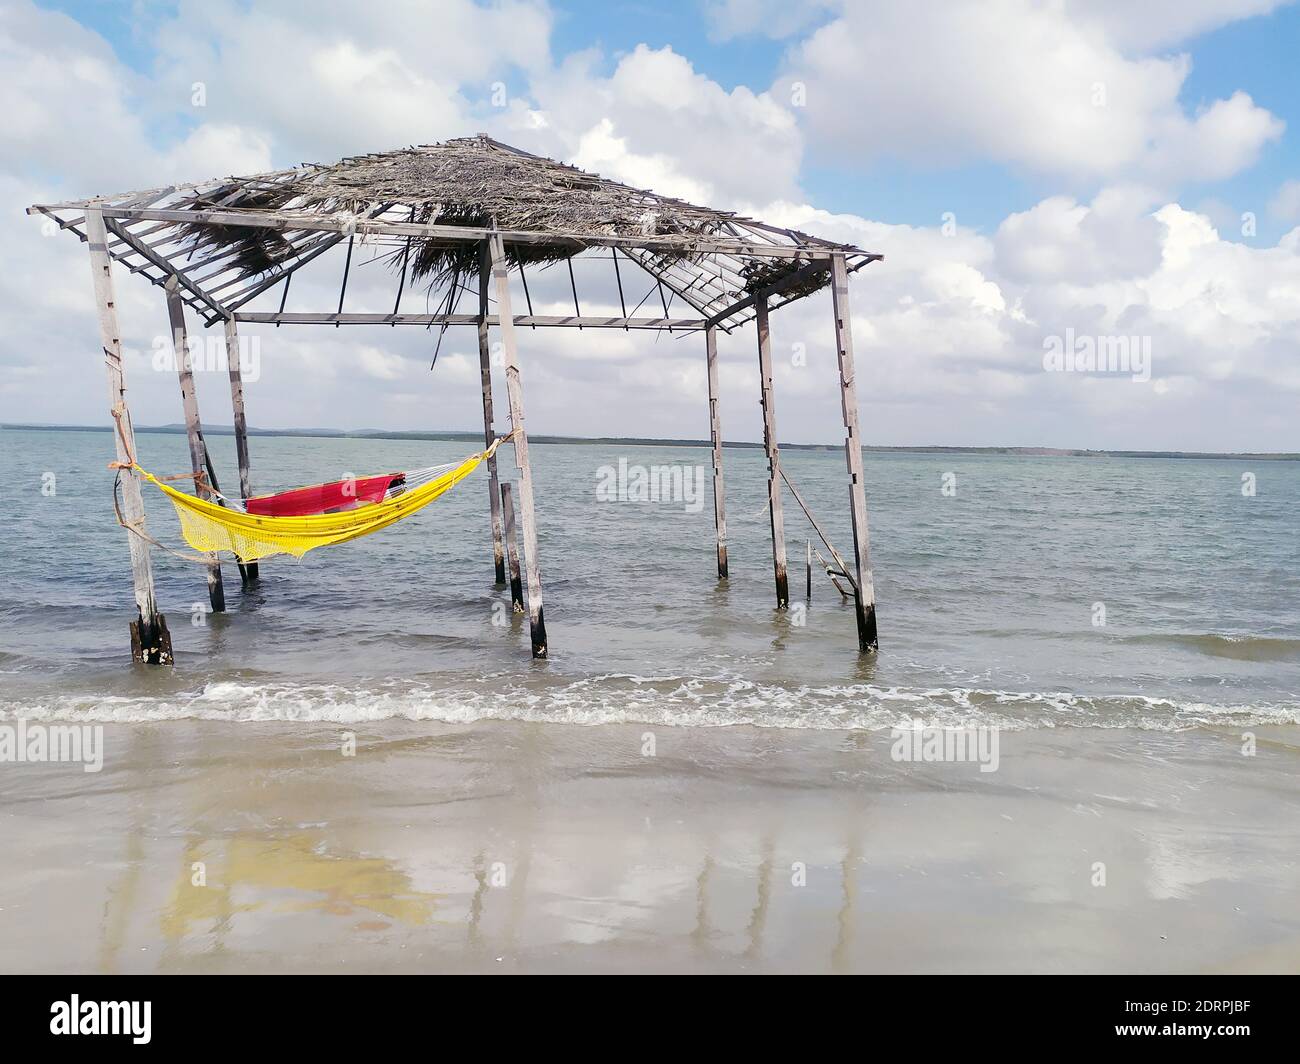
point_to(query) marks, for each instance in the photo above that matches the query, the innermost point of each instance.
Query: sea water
(1018, 592)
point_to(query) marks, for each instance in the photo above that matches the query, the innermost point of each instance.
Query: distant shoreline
(645, 441)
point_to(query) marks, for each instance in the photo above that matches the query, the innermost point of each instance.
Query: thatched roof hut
(234, 238)
(442, 214)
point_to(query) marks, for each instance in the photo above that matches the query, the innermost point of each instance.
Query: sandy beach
(522, 847)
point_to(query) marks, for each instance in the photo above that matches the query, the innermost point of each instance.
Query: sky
(1045, 178)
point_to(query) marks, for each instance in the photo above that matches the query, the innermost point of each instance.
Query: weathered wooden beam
(284, 295)
(864, 592)
(401, 280)
(715, 438)
(161, 263)
(193, 427)
(317, 248)
(227, 276)
(515, 391)
(121, 252)
(773, 458)
(833, 573)
(765, 294)
(211, 187)
(489, 432)
(778, 295)
(512, 548)
(242, 287)
(665, 274)
(457, 234)
(528, 299)
(347, 268)
(151, 642)
(554, 321)
(618, 278)
(144, 199)
(573, 285)
(812, 520)
(248, 571)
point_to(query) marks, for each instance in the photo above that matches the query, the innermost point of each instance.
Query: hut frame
(445, 212)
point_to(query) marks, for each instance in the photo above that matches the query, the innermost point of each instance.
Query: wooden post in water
(773, 458)
(193, 429)
(810, 570)
(515, 392)
(715, 436)
(512, 548)
(151, 642)
(489, 433)
(864, 590)
(247, 570)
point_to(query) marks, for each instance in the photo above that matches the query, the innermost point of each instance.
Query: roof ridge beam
(578, 321)
(458, 233)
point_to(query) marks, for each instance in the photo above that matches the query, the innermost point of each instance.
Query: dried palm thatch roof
(230, 240)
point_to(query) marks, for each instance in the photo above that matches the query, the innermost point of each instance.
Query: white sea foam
(660, 700)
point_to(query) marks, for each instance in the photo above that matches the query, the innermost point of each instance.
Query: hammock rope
(135, 530)
(224, 525)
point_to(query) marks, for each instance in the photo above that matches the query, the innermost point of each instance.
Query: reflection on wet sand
(296, 873)
(703, 931)
(758, 918)
(476, 904)
(269, 879)
(120, 902)
(841, 956)
(527, 848)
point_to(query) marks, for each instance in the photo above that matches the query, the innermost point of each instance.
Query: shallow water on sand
(987, 598)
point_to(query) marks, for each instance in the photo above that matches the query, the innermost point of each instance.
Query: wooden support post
(833, 574)
(247, 570)
(773, 458)
(512, 549)
(715, 436)
(514, 390)
(810, 570)
(864, 590)
(151, 642)
(193, 429)
(489, 432)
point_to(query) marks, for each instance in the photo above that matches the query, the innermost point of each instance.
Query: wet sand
(510, 847)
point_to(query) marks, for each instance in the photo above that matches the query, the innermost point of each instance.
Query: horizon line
(459, 434)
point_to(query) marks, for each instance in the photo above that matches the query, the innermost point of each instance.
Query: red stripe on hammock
(324, 498)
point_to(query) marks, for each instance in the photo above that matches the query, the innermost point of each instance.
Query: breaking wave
(664, 700)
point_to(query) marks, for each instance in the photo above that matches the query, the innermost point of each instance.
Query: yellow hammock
(209, 527)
